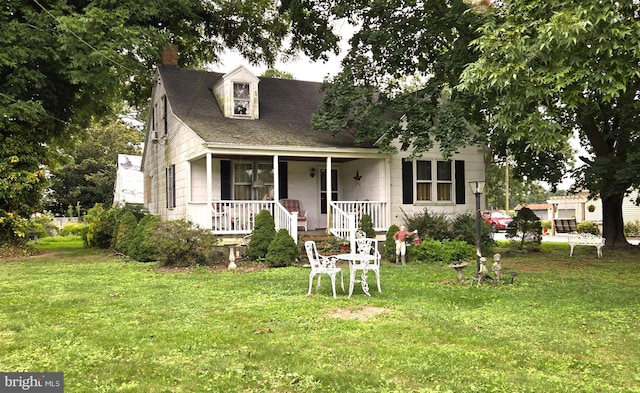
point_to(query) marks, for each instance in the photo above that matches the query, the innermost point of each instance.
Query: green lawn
(565, 325)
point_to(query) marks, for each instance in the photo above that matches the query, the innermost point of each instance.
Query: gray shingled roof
(286, 109)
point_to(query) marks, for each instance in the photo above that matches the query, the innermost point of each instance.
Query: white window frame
(435, 182)
(241, 97)
(256, 167)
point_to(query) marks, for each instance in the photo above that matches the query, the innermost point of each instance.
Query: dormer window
(237, 94)
(241, 99)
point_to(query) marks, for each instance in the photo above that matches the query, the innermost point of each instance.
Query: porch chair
(368, 248)
(321, 264)
(219, 216)
(292, 206)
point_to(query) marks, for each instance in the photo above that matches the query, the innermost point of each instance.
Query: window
(164, 115)
(423, 180)
(425, 187)
(241, 99)
(252, 181)
(444, 181)
(171, 186)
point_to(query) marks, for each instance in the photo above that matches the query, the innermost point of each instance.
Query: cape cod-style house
(222, 147)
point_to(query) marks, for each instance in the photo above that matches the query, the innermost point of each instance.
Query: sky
(302, 68)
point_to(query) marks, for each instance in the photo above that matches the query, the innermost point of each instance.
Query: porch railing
(377, 210)
(236, 217)
(343, 224)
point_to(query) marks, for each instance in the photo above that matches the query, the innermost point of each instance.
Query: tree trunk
(613, 222)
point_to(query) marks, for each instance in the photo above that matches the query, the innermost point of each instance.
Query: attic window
(241, 99)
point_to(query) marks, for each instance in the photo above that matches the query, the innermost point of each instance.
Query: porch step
(326, 244)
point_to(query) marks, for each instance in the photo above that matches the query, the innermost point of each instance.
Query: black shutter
(225, 180)
(407, 182)
(283, 180)
(460, 183)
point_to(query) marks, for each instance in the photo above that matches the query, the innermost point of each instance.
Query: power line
(81, 39)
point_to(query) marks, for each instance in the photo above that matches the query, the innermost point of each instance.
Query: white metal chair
(322, 265)
(369, 260)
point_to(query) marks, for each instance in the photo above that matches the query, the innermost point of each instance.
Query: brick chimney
(170, 55)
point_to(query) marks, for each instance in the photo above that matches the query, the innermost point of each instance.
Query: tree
(555, 68)
(66, 62)
(427, 41)
(89, 176)
(521, 191)
(274, 73)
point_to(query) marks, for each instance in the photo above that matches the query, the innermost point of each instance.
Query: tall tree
(395, 39)
(553, 68)
(89, 176)
(65, 62)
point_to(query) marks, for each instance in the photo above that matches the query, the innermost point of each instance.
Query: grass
(565, 325)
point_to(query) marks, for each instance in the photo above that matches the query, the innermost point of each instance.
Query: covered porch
(227, 191)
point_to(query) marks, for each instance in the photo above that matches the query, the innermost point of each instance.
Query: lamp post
(477, 187)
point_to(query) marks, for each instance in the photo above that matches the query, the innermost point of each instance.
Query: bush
(124, 233)
(632, 229)
(525, 226)
(74, 230)
(142, 248)
(389, 251)
(463, 228)
(180, 244)
(262, 236)
(435, 226)
(366, 225)
(102, 225)
(282, 251)
(444, 251)
(588, 227)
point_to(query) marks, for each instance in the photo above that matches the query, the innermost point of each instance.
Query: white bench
(586, 239)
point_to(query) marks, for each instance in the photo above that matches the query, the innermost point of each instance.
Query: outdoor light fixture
(477, 188)
(312, 173)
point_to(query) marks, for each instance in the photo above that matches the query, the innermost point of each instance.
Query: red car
(496, 220)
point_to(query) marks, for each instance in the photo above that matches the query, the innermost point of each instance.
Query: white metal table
(357, 262)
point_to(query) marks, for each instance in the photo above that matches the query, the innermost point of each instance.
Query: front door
(322, 219)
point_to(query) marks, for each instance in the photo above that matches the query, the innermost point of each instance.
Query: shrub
(444, 251)
(632, 229)
(525, 226)
(102, 225)
(389, 251)
(262, 236)
(463, 228)
(142, 248)
(124, 233)
(282, 251)
(366, 225)
(74, 229)
(433, 226)
(588, 227)
(180, 244)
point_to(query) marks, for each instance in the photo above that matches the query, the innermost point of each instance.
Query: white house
(222, 147)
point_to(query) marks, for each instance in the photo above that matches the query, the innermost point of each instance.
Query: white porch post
(328, 188)
(387, 192)
(276, 179)
(209, 187)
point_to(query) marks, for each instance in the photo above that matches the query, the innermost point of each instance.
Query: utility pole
(506, 184)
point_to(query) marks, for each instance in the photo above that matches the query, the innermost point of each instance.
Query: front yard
(565, 325)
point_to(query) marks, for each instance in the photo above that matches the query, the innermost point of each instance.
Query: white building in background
(580, 207)
(129, 185)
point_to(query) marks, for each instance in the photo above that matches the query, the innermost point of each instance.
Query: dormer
(237, 94)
